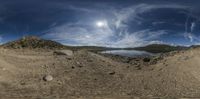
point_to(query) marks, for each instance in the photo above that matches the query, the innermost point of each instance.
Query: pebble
(3, 69)
(112, 73)
(78, 63)
(48, 78)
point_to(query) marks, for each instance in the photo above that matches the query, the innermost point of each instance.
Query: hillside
(158, 48)
(82, 74)
(33, 42)
(86, 75)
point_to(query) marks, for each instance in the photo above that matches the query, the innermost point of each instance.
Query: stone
(146, 59)
(64, 52)
(112, 73)
(48, 78)
(2, 68)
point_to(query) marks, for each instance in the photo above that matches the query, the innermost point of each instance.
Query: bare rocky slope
(33, 42)
(86, 75)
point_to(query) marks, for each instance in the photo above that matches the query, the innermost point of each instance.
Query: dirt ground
(86, 75)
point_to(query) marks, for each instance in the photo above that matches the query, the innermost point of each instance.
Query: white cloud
(132, 12)
(158, 23)
(94, 36)
(193, 24)
(189, 28)
(140, 38)
(81, 9)
(101, 37)
(191, 37)
(80, 35)
(1, 39)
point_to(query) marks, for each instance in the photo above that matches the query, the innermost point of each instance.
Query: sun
(101, 23)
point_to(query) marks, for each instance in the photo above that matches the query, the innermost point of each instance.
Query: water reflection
(128, 53)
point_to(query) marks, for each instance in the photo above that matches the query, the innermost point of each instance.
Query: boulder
(64, 52)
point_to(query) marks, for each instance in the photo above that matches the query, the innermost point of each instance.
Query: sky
(113, 23)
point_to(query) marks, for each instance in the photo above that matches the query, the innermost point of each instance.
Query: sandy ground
(86, 75)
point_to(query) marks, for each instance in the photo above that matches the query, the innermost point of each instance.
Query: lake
(129, 53)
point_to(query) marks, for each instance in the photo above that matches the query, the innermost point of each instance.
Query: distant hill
(153, 48)
(33, 42)
(95, 48)
(159, 48)
(195, 46)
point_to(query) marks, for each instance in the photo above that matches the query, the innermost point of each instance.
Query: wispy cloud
(189, 36)
(140, 38)
(1, 39)
(193, 24)
(79, 34)
(71, 7)
(189, 28)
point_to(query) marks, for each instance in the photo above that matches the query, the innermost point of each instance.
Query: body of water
(129, 53)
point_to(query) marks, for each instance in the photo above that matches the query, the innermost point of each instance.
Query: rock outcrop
(33, 42)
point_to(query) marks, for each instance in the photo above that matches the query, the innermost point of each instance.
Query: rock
(184, 58)
(146, 59)
(23, 83)
(48, 78)
(58, 53)
(78, 63)
(90, 60)
(112, 73)
(138, 67)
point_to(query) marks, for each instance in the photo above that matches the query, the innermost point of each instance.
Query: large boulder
(64, 52)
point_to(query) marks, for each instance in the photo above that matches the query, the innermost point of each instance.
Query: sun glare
(101, 24)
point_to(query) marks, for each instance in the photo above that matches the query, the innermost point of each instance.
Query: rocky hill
(33, 42)
(160, 48)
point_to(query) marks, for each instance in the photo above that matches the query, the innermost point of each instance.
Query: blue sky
(116, 23)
